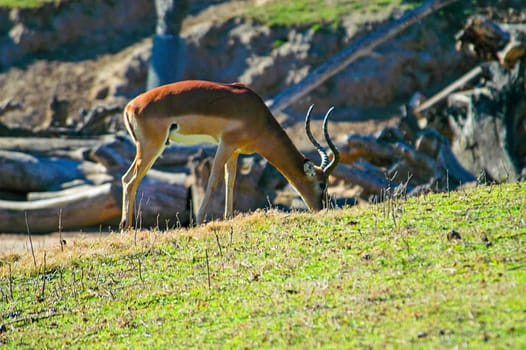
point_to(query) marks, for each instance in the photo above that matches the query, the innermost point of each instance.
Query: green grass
(25, 3)
(380, 276)
(318, 12)
(277, 12)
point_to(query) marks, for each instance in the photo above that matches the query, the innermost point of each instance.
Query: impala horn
(325, 165)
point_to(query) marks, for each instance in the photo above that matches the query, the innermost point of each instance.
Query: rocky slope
(87, 53)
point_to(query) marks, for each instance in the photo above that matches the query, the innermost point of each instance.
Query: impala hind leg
(126, 218)
(222, 156)
(143, 161)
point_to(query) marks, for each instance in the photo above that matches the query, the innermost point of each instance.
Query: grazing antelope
(230, 115)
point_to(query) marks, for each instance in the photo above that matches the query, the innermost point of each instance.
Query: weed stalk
(41, 297)
(208, 269)
(140, 269)
(30, 240)
(60, 230)
(10, 281)
(218, 244)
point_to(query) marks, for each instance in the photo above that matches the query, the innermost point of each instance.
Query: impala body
(230, 115)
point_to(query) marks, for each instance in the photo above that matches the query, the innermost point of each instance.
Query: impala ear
(308, 168)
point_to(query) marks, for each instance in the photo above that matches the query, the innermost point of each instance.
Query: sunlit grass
(25, 3)
(318, 12)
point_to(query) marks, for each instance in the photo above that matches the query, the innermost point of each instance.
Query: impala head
(320, 174)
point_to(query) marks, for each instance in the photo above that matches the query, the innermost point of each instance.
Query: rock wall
(67, 26)
(102, 24)
(267, 59)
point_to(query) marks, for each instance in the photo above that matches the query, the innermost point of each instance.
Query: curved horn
(336, 159)
(319, 148)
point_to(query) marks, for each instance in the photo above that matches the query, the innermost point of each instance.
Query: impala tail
(129, 126)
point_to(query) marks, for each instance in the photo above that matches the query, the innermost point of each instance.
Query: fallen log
(116, 153)
(79, 210)
(371, 184)
(22, 172)
(492, 41)
(443, 94)
(367, 147)
(162, 201)
(394, 158)
(113, 152)
(38, 196)
(55, 172)
(50, 147)
(119, 151)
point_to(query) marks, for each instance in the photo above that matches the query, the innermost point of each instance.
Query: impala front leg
(230, 179)
(223, 154)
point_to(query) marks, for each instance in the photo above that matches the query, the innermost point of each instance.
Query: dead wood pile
(400, 161)
(484, 112)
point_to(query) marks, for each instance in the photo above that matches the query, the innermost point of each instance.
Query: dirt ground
(20, 243)
(35, 84)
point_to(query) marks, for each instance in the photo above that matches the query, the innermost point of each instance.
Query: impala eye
(308, 168)
(322, 186)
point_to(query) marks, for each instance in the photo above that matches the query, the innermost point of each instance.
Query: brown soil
(36, 84)
(20, 244)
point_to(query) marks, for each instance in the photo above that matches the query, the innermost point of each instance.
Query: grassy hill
(436, 271)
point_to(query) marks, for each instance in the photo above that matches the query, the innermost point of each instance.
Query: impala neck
(284, 156)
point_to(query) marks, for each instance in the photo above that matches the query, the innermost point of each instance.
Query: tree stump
(489, 121)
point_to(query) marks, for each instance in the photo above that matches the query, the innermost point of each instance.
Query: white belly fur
(175, 136)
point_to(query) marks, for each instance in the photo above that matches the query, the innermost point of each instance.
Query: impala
(235, 118)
